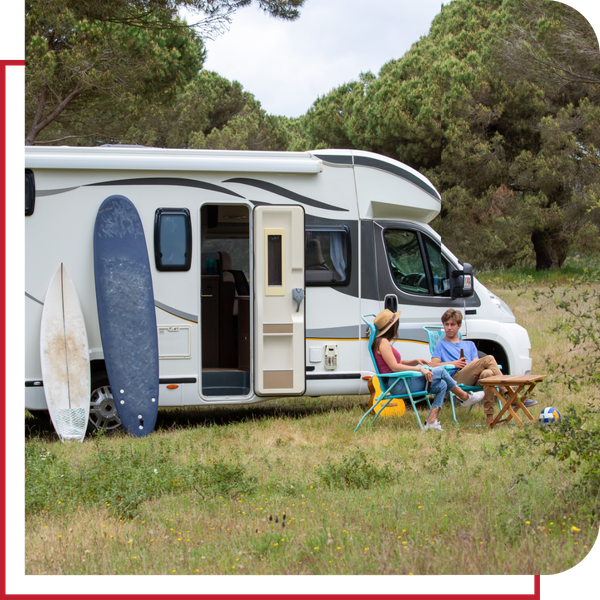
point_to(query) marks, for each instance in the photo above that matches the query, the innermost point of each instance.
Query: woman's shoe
(435, 425)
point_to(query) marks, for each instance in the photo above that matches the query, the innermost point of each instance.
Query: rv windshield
(416, 263)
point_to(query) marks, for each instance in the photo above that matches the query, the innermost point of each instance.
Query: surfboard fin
(71, 423)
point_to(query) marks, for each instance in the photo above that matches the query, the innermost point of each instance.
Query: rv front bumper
(515, 341)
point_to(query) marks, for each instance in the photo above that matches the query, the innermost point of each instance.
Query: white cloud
(287, 65)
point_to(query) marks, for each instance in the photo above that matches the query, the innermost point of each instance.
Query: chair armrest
(401, 374)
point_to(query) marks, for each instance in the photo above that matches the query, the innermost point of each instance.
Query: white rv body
(346, 206)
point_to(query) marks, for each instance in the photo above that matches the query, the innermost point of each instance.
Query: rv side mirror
(391, 302)
(461, 282)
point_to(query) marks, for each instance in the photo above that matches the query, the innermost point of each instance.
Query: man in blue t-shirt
(470, 368)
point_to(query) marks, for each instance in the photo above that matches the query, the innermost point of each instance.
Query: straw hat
(384, 320)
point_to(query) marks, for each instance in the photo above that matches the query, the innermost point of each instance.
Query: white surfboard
(65, 357)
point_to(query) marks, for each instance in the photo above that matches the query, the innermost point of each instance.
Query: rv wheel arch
(485, 347)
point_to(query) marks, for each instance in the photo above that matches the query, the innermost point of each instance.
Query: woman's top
(381, 364)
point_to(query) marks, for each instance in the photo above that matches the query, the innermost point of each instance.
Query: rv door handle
(298, 295)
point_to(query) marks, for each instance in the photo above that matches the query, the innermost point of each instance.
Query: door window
(406, 261)
(439, 267)
(416, 263)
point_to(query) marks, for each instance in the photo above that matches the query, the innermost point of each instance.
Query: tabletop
(510, 379)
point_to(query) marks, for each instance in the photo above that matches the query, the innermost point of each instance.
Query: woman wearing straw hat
(389, 360)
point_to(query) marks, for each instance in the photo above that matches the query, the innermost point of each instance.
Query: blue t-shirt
(449, 351)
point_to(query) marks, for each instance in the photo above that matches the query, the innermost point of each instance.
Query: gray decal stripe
(280, 191)
(34, 299)
(348, 332)
(41, 193)
(170, 181)
(337, 159)
(366, 161)
(177, 313)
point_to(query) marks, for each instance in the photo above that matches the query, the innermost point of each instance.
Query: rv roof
(152, 159)
(140, 158)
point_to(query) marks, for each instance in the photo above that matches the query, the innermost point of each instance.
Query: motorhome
(262, 265)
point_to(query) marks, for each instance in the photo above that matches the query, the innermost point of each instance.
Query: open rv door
(279, 305)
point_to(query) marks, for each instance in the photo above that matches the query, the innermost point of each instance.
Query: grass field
(286, 487)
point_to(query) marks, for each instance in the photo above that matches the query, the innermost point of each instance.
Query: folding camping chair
(434, 333)
(387, 381)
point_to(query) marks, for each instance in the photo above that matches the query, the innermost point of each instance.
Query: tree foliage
(78, 68)
(210, 112)
(92, 66)
(499, 106)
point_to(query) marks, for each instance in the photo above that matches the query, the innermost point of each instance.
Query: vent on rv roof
(29, 192)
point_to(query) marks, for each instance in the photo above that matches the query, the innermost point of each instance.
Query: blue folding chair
(434, 333)
(388, 381)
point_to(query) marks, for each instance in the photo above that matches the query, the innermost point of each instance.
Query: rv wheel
(103, 410)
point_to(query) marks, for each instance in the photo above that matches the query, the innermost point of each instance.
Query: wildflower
(575, 528)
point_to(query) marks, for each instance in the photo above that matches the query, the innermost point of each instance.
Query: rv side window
(406, 261)
(417, 263)
(326, 253)
(439, 267)
(172, 239)
(29, 192)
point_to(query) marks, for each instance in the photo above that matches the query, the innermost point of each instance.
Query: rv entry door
(279, 305)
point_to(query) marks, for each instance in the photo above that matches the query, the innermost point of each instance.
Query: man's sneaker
(474, 398)
(529, 402)
(436, 425)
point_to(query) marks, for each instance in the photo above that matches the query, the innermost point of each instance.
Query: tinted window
(172, 239)
(274, 260)
(326, 257)
(29, 192)
(439, 267)
(417, 263)
(406, 261)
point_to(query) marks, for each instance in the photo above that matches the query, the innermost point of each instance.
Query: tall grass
(286, 487)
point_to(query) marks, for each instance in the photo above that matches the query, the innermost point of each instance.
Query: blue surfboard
(125, 300)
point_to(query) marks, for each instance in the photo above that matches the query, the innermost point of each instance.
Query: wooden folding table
(515, 384)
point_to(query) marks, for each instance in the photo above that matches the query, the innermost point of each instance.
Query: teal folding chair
(388, 381)
(434, 333)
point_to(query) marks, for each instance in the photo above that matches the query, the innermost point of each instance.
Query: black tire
(103, 409)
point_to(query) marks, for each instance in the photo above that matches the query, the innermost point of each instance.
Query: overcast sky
(287, 65)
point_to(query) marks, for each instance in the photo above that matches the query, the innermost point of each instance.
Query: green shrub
(356, 471)
(579, 302)
(122, 479)
(574, 441)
